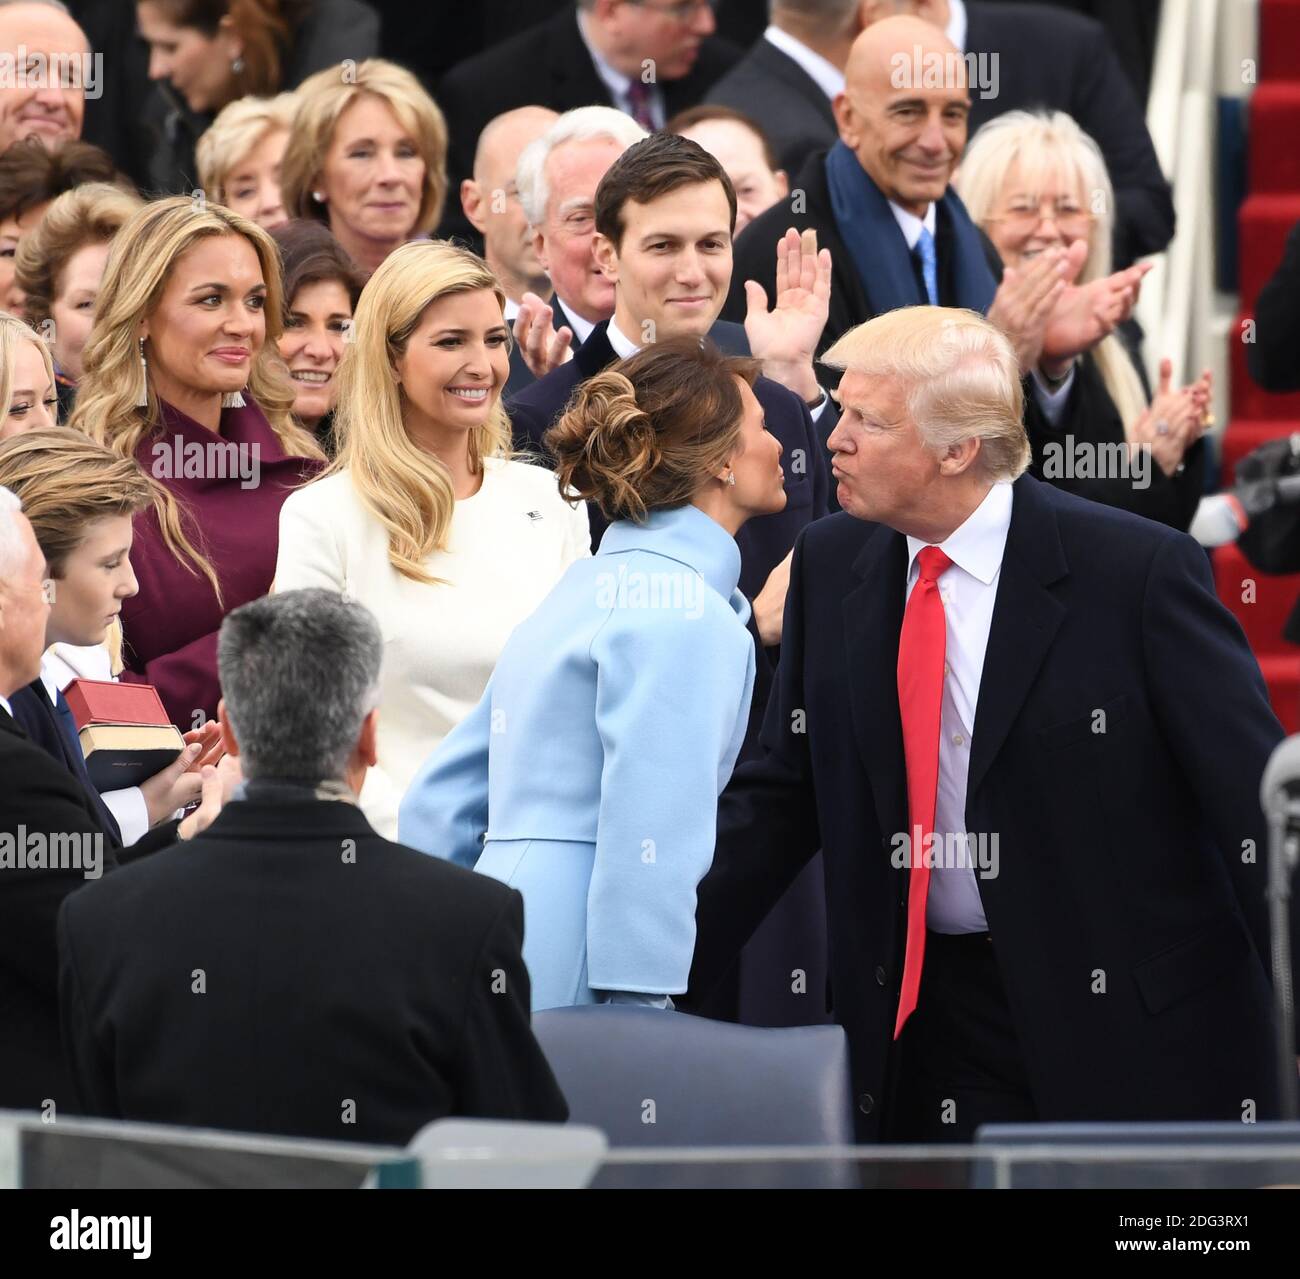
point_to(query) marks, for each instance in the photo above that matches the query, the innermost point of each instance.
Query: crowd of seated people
(498, 479)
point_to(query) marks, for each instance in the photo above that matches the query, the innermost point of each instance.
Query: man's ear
(959, 458)
(606, 255)
(782, 183)
(471, 200)
(227, 733)
(539, 249)
(846, 120)
(368, 741)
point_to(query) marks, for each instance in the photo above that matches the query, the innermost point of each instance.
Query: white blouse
(507, 547)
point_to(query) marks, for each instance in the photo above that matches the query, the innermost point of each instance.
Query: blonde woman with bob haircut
(182, 374)
(81, 499)
(60, 265)
(424, 516)
(367, 156)
(1034, 182)
(239, 157)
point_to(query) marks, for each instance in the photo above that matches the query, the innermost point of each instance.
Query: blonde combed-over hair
(961, 377)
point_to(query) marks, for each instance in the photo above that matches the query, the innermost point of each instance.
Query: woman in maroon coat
(180, 372)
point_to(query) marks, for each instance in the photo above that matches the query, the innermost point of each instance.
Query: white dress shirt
(581, 328)
(911, 225)
(4, 701)
(511, 310)
(826, 75)
(618, 84)
(968, 589)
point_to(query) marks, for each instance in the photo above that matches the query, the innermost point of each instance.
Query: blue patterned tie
(929, 265)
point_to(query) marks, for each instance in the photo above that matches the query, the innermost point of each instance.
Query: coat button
(866, 1103)
(881, 975)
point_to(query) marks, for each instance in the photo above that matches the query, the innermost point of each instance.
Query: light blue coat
(588, 776)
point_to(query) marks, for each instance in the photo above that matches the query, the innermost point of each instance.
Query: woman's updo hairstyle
(648, 431)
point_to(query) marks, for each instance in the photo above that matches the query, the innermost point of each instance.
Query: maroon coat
(230, 500)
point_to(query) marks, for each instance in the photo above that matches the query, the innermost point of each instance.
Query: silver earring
(236, 64)
(232, 400)
(142, 399)
(731, 478)
(318, 196)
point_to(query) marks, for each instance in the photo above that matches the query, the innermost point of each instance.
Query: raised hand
(542, 345)
(1175, 419)
(785, 338)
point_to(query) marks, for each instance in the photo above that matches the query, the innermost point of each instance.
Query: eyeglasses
(682, 11)
(1067, 215)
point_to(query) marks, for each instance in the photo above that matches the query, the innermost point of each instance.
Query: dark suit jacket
(40, 797)
(1274, 356)
(1090, 417)
(336, 967)
(765, 541)
(1065, 62)
(851, 304)
(779, 95)
(32, 709)
(1120, 852)
(547, 65)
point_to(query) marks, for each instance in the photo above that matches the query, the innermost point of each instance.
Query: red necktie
(921, 646)
(638, 98)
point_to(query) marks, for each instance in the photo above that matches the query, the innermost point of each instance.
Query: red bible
(99, 701)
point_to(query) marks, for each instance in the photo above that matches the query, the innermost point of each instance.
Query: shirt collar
(622, 344)
(956, 28)
(50, 681)
(910, 224)
(684, 534)
(581, 327)
(511, 310)
(4, 701)
(826, 75)
(978, 543)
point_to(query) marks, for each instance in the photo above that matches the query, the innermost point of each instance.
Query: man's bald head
(491, 199)
(504, 138)
(49, 56)
(904, 108)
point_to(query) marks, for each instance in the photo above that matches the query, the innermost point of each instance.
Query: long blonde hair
(12, 331)
(409, 491)
(139, 265)
(1038, 144)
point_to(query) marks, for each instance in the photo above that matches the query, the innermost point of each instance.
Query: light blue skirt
(554, 877)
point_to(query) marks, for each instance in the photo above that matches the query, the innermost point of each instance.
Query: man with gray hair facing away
(1029, 739)
(290, 971)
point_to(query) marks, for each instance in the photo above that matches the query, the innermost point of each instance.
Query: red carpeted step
(1274, 164)
(1250, 400)
(1282, 675)
(1262, 224)
(1279, 40)
(1261, 602)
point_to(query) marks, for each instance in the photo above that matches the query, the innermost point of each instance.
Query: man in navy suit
(1039, 811)
(664, 217)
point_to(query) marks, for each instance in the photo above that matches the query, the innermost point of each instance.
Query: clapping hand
(1175, 420)
(1027, 297)
(542, 345)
